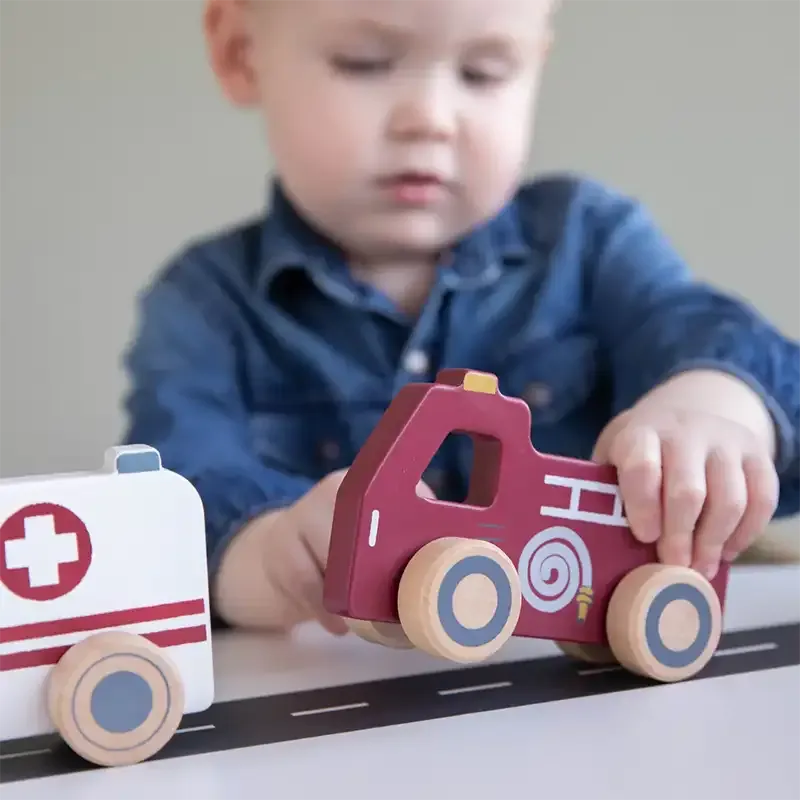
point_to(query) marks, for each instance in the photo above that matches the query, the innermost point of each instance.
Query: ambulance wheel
(591, 653)
(459, 599)
(388, 634)
(115, 698)
(664, 622)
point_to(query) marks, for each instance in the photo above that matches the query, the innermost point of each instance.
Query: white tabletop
(730, 737)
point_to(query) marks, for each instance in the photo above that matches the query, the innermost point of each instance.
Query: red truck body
(559, 520)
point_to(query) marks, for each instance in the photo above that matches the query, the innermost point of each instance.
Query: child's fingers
(314, 545)
(423, 490)
(331, 622)
(726, 502)
(297, 576)
(684, 493)
(317, 540)
(638, 456)
(762, 499)
(308, 593)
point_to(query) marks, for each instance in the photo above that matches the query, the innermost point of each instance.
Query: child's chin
(416, 229)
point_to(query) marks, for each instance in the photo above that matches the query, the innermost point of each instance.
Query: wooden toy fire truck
(105, 633)
(540, 548)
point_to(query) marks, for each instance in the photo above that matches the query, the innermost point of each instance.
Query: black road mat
(396, 701)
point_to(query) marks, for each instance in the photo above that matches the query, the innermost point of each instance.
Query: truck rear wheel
(664, 622)
(388, 634)
(459, 599)
(590, 653)
(115, 698)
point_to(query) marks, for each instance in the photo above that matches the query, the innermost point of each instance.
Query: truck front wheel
(459, 599)
(664, 622)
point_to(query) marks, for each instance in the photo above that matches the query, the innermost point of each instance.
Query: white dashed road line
(309, 711)
(599, 670)
(480, 688)
(750, 648)
(196, 728)
(5, 756)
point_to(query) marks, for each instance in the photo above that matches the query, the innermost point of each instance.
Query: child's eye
(361, 66)
(476, 76)
(483, 77)
(488, 70)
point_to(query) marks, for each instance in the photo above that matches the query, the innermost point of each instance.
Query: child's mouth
(414, 188)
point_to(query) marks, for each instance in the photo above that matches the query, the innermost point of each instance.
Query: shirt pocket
(555, 376)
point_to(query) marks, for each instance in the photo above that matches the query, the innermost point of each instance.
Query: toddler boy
(402, 240)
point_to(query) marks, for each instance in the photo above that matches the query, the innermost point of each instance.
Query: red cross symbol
(45, 552)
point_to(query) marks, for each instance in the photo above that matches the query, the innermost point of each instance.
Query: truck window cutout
(479, 455)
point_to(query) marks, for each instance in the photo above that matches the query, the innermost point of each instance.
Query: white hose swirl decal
(561, 552)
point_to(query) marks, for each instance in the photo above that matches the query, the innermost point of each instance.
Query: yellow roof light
(480, 382)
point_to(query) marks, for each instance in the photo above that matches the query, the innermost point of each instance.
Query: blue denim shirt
(260, 364)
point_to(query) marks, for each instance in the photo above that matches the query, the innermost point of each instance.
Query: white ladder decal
(577, 485)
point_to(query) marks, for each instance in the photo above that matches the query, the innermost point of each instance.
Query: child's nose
(425, 113)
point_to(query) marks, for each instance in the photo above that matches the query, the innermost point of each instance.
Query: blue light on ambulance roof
(145, 460)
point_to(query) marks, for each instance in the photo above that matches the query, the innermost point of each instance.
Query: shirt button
(538, 395)
(330, 450)
(416, 362)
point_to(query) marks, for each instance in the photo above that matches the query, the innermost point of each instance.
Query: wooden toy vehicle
(540, 548)
(105, 631)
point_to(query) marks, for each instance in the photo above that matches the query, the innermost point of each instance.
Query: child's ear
(229, 42)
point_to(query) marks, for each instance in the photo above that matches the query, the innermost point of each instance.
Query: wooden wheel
(591, 653)
(459, 599)
(664, 622)
(115, 698)
(387, 634)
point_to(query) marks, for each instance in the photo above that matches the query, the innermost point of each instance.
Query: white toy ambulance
(105, 633)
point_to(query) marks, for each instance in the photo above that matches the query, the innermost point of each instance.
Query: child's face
(396, 125)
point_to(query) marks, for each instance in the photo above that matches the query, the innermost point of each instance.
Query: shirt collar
(288, 241)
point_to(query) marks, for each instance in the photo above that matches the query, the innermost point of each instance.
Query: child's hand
(296, 553)
(273, 573)
(701, 485)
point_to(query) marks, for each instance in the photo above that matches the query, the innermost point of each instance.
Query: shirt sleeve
(655, 320)
(184, 401)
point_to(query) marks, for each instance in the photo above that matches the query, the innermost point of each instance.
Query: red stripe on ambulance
(52, 655)
(111, 619)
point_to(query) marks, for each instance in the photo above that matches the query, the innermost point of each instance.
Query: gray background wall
(115, 147)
